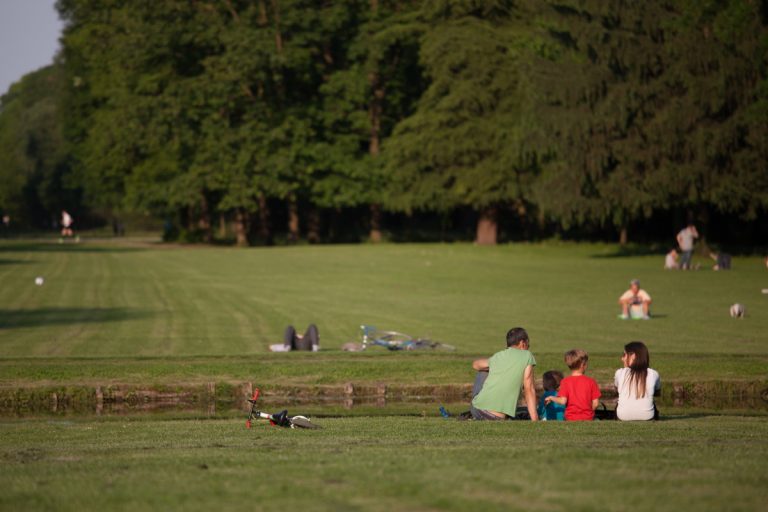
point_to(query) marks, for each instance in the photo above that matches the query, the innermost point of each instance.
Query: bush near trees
(307, 117)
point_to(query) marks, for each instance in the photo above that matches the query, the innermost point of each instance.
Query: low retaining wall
(136, 397)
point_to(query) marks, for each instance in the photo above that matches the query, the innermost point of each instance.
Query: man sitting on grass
(634, 297)
(499, 379)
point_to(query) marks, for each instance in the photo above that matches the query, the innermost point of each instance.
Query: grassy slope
(705, 463)
(206, 313)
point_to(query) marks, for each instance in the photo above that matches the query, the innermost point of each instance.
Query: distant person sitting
(310, 340)
(685, 239)
(722, 260)
(633, 300)
(670, 261)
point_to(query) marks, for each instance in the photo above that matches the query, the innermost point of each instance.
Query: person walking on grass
(636, 384)
(578, 393)
(500, 378)
(66, 224)
(685, 239)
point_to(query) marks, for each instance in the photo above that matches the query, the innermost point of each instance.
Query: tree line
(312, 114)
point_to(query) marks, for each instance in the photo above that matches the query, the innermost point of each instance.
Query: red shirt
(580, 390)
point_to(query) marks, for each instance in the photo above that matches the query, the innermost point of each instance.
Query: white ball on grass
(738, 310)
(39, 281)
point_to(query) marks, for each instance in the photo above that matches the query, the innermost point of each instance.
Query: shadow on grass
(12, 262)
(630, 251)
(65, 247)
(10, 318)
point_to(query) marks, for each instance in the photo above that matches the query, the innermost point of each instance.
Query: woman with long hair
(637, 384)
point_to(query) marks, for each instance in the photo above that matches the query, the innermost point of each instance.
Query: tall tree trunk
(223, 226)
(374, 115)
(265, 228)
(262, 13)
(313, 225)
(278, 35)
(293, 219)
(623, 237)
(189, 219)
(703, 228)
(375, 233)
(487, 226)
(522, 215)
(204, 223)
(241, 226)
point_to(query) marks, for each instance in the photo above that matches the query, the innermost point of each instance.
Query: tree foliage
(250, 112)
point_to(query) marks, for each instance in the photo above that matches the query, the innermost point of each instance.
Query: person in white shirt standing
(636, 384)
(685, 239)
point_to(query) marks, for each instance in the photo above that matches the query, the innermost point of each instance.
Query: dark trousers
(685, 259)
(309, 341)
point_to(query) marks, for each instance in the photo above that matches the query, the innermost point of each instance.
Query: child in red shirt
(578, 393)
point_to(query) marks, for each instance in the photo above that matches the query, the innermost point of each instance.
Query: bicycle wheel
(303, 422)
(424, 344)
(392, 340)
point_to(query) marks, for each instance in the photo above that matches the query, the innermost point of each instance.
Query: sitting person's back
(722, 261)
(551, 411)
(500, 378)
(670, 261)
(578, 393)
(636, 384)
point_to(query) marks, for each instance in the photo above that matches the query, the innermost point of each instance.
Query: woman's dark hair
(515, 336)
(551, 380)
(638, 370)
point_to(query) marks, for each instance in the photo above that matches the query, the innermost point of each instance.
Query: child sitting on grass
(578, 393)
(551, 411)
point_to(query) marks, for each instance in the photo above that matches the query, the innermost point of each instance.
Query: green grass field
(143, 314)
(707, 463)
(132, 311)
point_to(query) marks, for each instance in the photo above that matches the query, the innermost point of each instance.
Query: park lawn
(385, 463)
(338, 368)
(138, 312)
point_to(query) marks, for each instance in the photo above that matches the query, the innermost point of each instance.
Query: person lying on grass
(499, 379)
(578, 393)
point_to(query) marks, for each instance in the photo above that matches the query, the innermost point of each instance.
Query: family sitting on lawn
(500, 378)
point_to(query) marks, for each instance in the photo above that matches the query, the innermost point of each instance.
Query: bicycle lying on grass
(280, 419)
(393, 340)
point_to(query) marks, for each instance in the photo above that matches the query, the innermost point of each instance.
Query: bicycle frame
(280, 419)
(393, 340)
(370, 338)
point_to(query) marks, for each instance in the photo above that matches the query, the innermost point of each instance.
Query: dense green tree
(598, 93)
(464, 146)
(713, 131)
(596, 114)
(655, 112)
(34, 178)
(374, 84)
